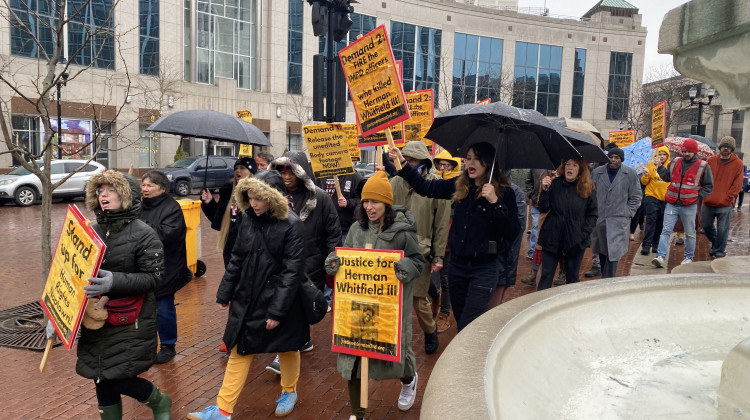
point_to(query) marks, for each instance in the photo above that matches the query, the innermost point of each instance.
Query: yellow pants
(238, 367)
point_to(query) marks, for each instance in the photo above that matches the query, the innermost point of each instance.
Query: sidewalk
(194, 376)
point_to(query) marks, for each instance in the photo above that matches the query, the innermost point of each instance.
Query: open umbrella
(674, 144)
(211, 125)
(581, 126)
(638, 154)
(705, 140)
(586, 144)
(523, 138)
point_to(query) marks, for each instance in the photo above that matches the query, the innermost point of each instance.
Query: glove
(101, 284)
(662, 172)
(49, 331)
(332, 264)
(401, 272)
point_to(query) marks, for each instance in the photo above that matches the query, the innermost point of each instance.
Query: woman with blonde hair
(570, 200)
(484, 213)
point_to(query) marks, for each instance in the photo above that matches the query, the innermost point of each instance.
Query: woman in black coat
(223, 214)
(484, 214)
(132, 265)
(570, 200)
(260, 289)
(164, 215)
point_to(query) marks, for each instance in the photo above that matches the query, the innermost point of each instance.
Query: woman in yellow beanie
(384, 226)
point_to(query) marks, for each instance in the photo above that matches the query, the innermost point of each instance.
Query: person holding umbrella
(484, 214)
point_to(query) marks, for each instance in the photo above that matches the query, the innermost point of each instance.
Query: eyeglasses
(444, 165)
(109, 191)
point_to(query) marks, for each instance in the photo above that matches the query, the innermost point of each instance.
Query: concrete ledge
(594, 350)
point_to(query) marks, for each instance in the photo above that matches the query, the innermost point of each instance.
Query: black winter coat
(135, 257)
(262, 281)
(476, 222)
(165, 217)
(215, 213)
(571, 219)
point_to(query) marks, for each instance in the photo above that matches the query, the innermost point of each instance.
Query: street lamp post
(60, 84)
(694, 98)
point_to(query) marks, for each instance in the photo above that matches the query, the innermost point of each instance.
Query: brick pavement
(193, 378)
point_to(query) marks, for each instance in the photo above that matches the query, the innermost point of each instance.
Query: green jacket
(400, 236)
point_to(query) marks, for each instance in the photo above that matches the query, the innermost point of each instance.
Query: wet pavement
(194, 376)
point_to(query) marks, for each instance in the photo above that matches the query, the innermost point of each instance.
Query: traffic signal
(319, 19)
(340, 21)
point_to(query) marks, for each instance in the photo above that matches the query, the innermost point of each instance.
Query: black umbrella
(705, 140)
(523, 138)
(211, 125)
(584, 143)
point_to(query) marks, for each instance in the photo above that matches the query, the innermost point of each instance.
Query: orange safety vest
(687, 189)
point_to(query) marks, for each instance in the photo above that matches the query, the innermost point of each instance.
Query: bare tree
(43, 33)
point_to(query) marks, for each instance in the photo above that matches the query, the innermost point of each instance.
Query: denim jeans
(717, 235)
(471, 286)
(654, 210)
(534, 228)
(166, 319)
(687, 215)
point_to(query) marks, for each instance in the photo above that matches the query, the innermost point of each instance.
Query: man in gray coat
(618, 196)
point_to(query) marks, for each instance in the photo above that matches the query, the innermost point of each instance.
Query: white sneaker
(408, 394)
(686, 261)
(658, 261)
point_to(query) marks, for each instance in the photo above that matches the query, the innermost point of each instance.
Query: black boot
(111, 412)
(595, 271)
(431, 342)
(160, 403)
(166, 354)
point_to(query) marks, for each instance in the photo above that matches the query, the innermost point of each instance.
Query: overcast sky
(653, 12)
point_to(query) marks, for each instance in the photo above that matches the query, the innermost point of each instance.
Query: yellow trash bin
(191, 209)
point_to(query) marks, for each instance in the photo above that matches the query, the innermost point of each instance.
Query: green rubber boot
(161, 404)
(111, 412)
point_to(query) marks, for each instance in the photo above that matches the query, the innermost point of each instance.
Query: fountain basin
(633, 347)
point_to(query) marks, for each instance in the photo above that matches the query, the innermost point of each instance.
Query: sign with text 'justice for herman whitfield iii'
(367, 319)
(373, 80)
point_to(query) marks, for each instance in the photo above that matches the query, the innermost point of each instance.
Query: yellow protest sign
(371, 74)
(328, 149)
(367, 319)
(246, 115)
(245, 150)
(421, 109)
(484, 101)
(76, 259)
(397, 130)
(352, 139)
(658, 122)
(622, 138)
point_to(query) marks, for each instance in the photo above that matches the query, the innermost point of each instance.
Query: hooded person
(261, 290)
(223, 213)
(132, 266)
(385, 226)
(653, 199)
(446, 166)
(728, 172)
(433, 219)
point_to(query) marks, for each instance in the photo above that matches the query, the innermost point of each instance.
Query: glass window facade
(226, 38)
(294, 62)
(419, 50)
(26, 134)
(90, 31)
(477, 69)
(618, 92)
(579, 75)
(536, 75)
(148, 16)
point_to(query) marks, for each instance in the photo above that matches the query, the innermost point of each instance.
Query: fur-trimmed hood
(298, 162)
(125, 185)
(278, 204)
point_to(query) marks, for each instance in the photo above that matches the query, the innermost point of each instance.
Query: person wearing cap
(728, 173)
(433, 218)
(384, 226)
(223, 213)
(689, 178)
(618, 196)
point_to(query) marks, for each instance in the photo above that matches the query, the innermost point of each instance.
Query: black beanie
(247, 162)
(616, 151)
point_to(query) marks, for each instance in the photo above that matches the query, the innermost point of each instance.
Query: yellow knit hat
(378, 188)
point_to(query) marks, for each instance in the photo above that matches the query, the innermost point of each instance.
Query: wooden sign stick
(378, 156)
(338, 185)
(47, 349)
(391, 143)
(365, 369)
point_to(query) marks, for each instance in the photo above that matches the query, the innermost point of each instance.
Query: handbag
(124, 311)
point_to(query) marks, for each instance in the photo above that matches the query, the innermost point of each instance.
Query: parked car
(187, 174)
(23, 187)
(365, 170)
